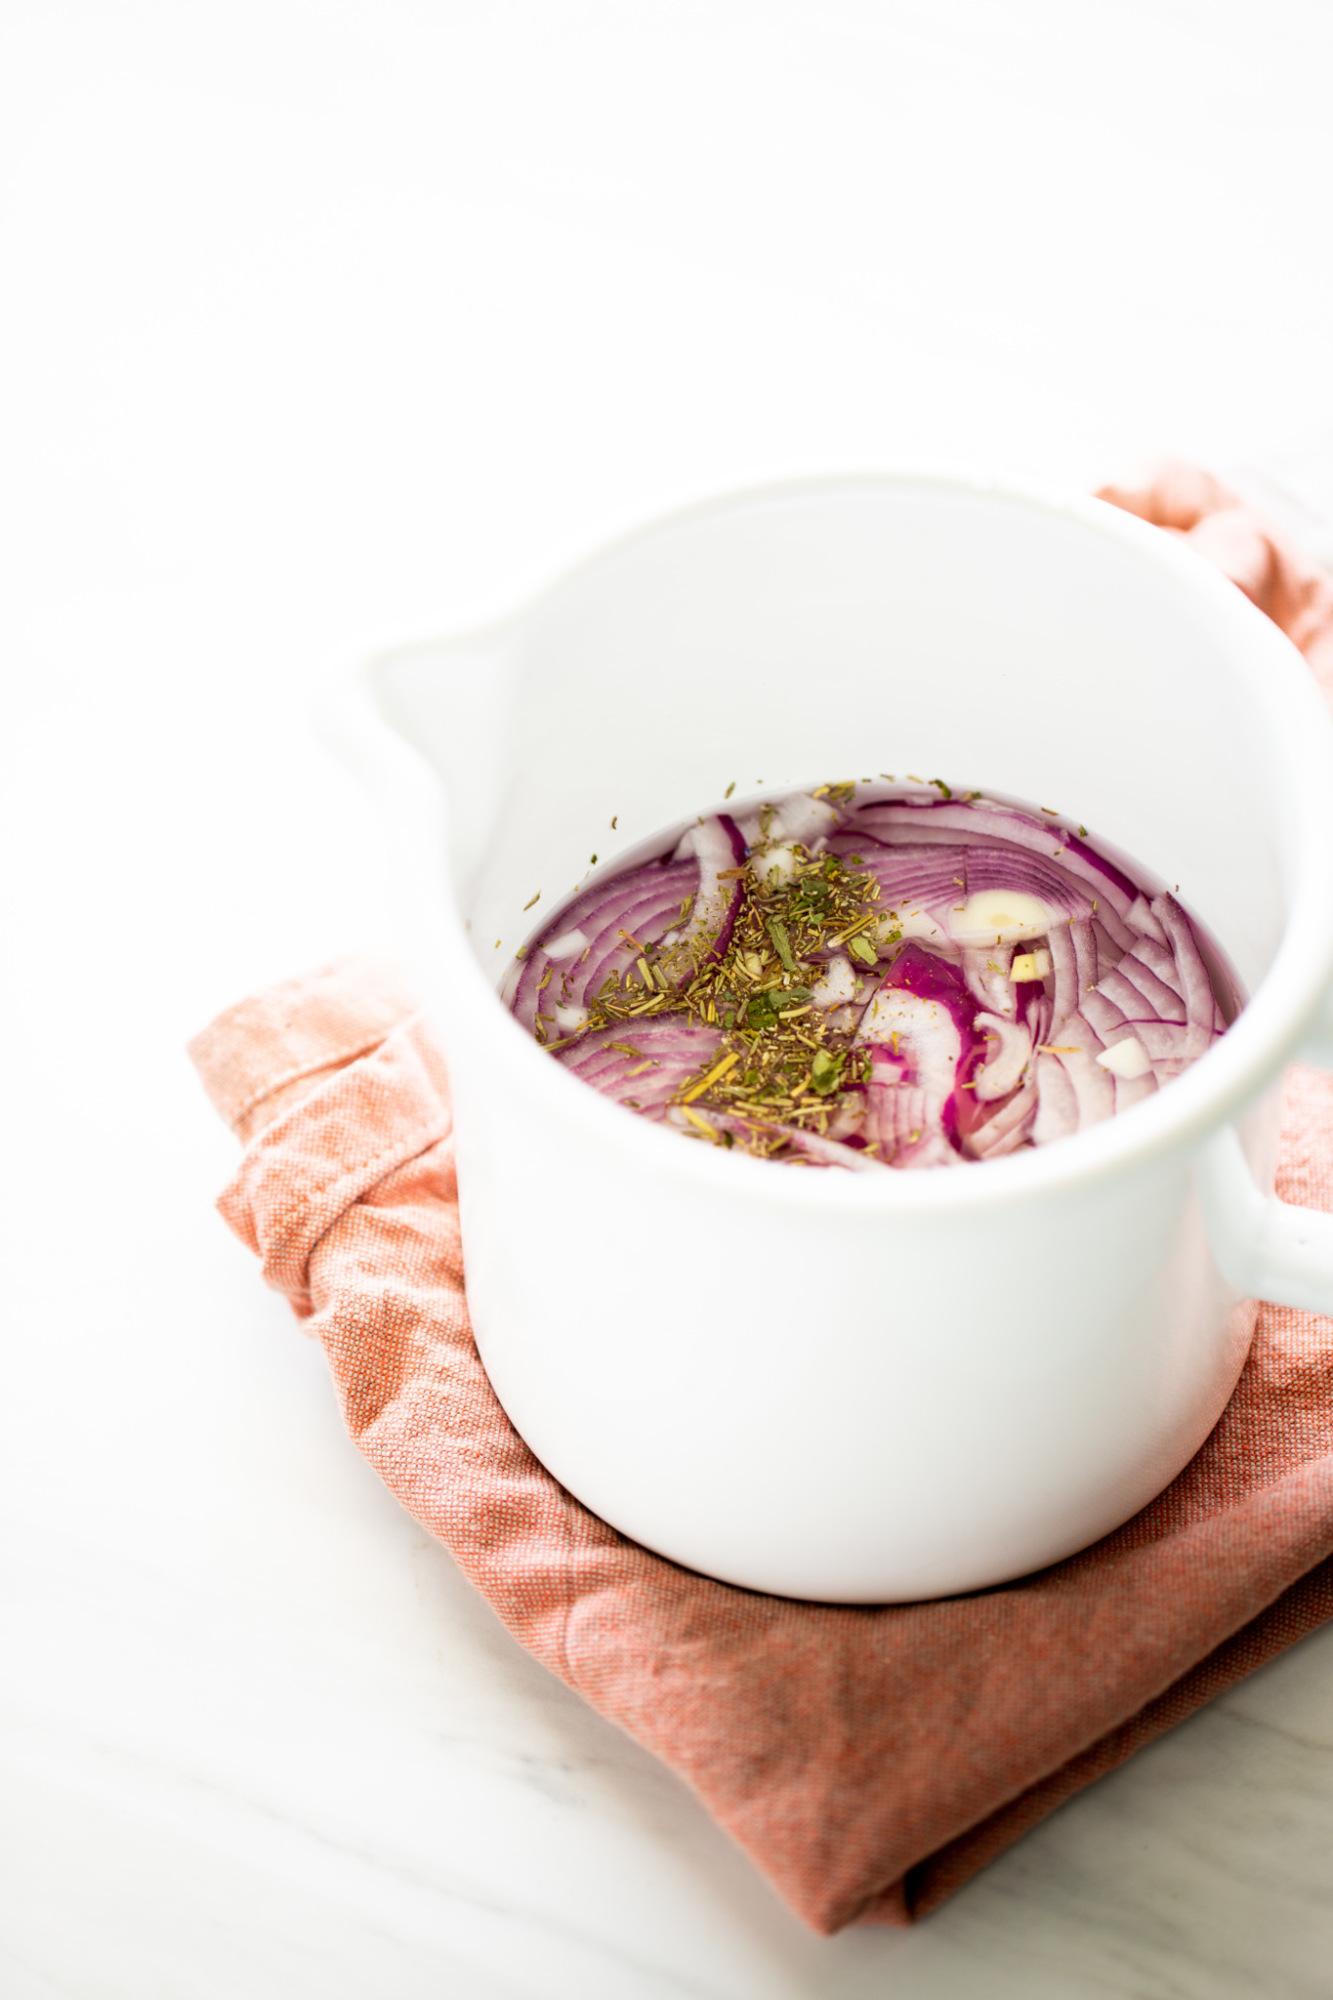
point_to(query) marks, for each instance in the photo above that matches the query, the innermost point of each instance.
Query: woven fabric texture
(869, 1760)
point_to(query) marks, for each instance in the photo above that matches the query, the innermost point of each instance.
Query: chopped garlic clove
(837, 987)
(1031, 965)
(1000, 916)
(772, 866)
(1127, 1059)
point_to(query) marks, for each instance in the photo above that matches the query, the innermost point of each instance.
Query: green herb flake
(840, 794)
(777, 930)
(826, 1072)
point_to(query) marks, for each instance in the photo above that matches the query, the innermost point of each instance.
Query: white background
(332, 322)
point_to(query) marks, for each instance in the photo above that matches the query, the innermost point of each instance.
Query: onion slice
(1011, 986)
(716, 844)
(815, 1149)
(645, 1064)
(1007, 1062)
(985, 820)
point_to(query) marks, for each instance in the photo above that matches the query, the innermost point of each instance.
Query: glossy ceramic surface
(854, 1388)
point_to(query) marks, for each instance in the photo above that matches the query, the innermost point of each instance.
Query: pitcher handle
(1266, 1248)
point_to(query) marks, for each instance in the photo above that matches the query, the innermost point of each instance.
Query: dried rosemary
(783, 1059)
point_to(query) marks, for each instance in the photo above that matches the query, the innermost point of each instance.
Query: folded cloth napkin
(870, 1759)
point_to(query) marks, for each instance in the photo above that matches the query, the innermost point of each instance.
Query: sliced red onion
(827, 1152)
(984, 821)
(1165, 1042)
(602, 901)
(716, 844)
(812, 1147)
(849, 1116)
(1076, 1051)
(921, 876)
(929, 924)
(903, 1121)
(668, 1051)
(619, 943)
(1197, 987)
(993, 868)
(1057, 1102)
(1109, 953)
(1143, 918)
(1136, 1005)
(1009, 1046)
(1094, 995)
(568, 945)
(988, 981)
(1159, 960)
(922, 1016)
(1085, 957)
(1102, 1013)
(642, 902)
(1064, 961)
(804, 818)
(952, 880)
(1161, 999)
(930, 976)
(1006, 1128)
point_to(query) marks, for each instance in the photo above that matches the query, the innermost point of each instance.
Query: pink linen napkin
(869, 1759)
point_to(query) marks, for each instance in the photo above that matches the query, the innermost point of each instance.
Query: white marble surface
(333, 323)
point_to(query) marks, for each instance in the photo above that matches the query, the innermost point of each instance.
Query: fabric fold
(263, 1052)
(868, 1759)
(321, 1154)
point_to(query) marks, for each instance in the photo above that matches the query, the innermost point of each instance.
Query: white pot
(855, 1387)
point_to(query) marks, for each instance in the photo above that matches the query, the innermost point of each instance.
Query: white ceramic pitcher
(865, 1387)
